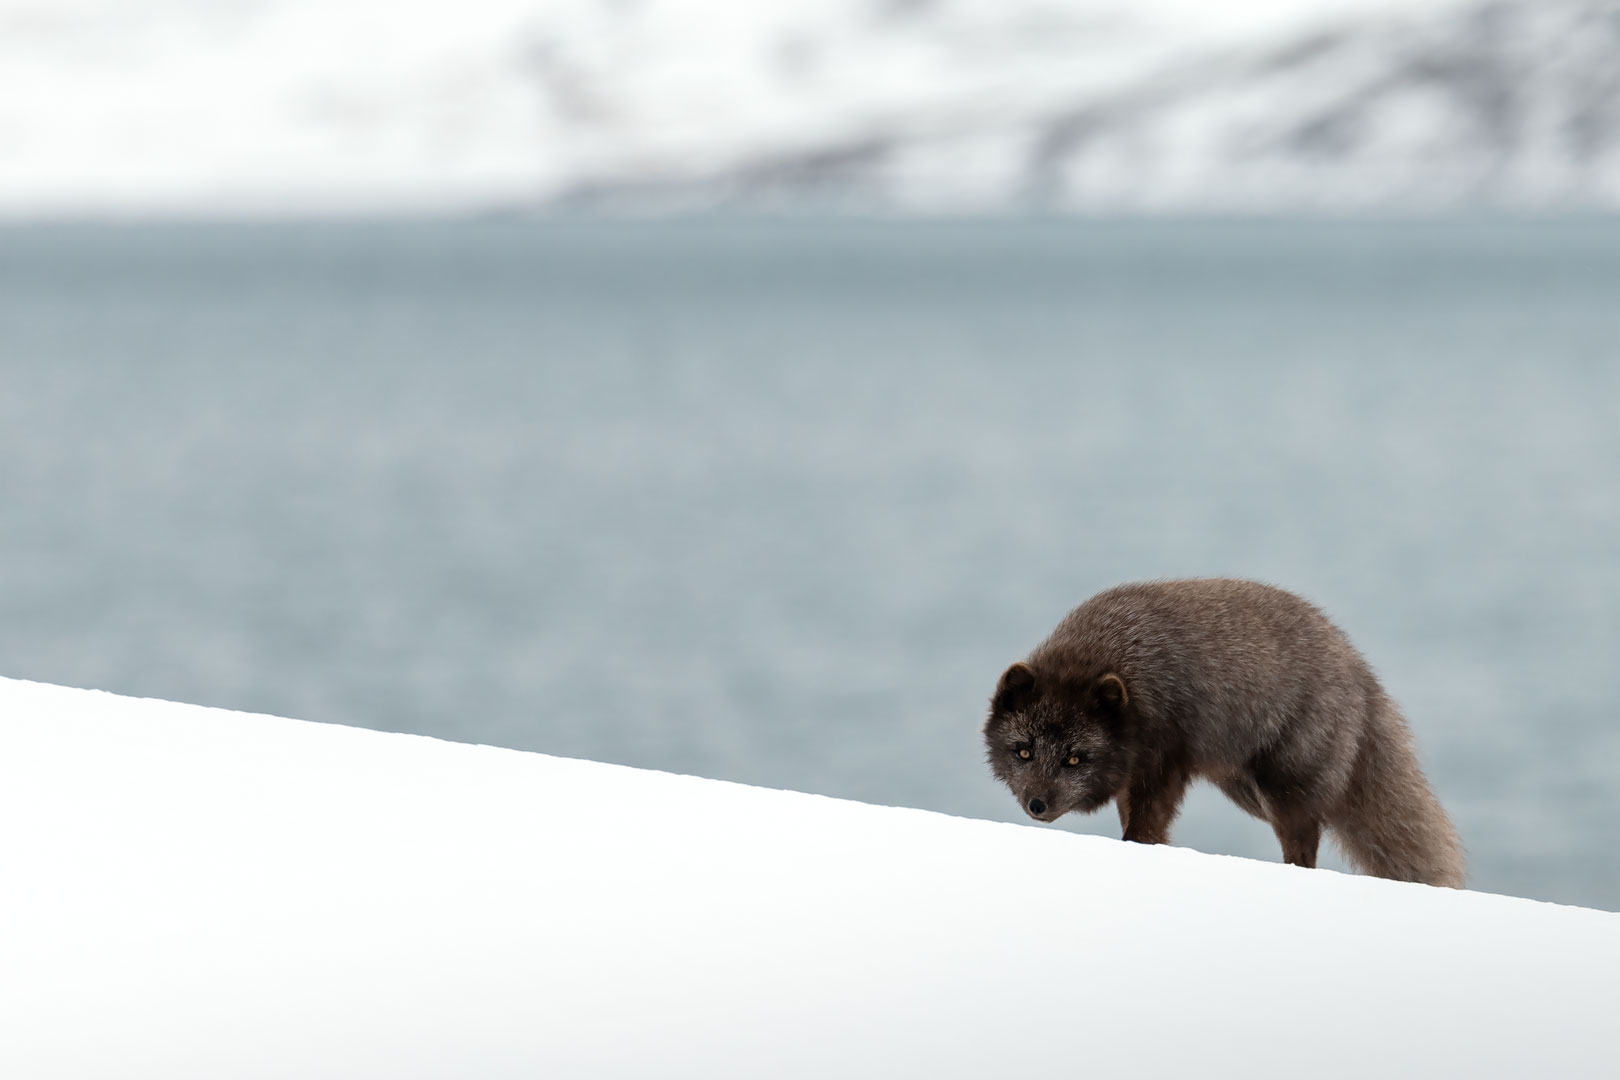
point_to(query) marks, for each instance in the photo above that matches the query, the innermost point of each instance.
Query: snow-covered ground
(207, 107)
(190, 892)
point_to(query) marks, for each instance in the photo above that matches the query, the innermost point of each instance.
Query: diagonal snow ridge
(192, 892)
(198, 108)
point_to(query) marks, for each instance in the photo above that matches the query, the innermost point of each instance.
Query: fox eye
(1075, 759)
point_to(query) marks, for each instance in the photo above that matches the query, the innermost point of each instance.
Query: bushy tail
(1390, 824)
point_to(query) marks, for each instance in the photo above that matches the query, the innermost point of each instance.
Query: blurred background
(736, 389)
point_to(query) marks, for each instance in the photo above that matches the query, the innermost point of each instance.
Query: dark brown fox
(1146, 687)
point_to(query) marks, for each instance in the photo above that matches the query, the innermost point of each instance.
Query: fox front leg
(1148, 806)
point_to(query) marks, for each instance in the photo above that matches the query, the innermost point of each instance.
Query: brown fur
(1151, 686)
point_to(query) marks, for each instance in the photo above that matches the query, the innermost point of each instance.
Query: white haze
(206, 107)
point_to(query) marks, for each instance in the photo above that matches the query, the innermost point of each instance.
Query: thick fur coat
(1147, 687)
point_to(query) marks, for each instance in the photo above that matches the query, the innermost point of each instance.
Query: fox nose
(1036, 806)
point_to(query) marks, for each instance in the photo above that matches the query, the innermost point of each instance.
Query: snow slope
(191, 892)
(188, 107)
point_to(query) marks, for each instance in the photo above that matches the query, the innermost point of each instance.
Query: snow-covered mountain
(336, 106)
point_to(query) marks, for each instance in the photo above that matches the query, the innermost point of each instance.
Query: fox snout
(1041, 809)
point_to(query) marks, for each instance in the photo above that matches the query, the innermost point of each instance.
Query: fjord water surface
(776, 501)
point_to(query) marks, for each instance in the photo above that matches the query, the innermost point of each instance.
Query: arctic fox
(1146, 687)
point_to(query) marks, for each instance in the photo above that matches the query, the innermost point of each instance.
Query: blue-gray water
(777, 501)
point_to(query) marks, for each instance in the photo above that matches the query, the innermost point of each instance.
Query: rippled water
(777, 500)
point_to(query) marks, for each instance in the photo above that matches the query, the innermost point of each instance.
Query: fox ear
(1017, 685)
(1108, 695)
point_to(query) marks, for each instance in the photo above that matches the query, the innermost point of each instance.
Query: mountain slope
(297, 106)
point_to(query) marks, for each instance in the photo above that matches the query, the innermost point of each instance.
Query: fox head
(1056, 743)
